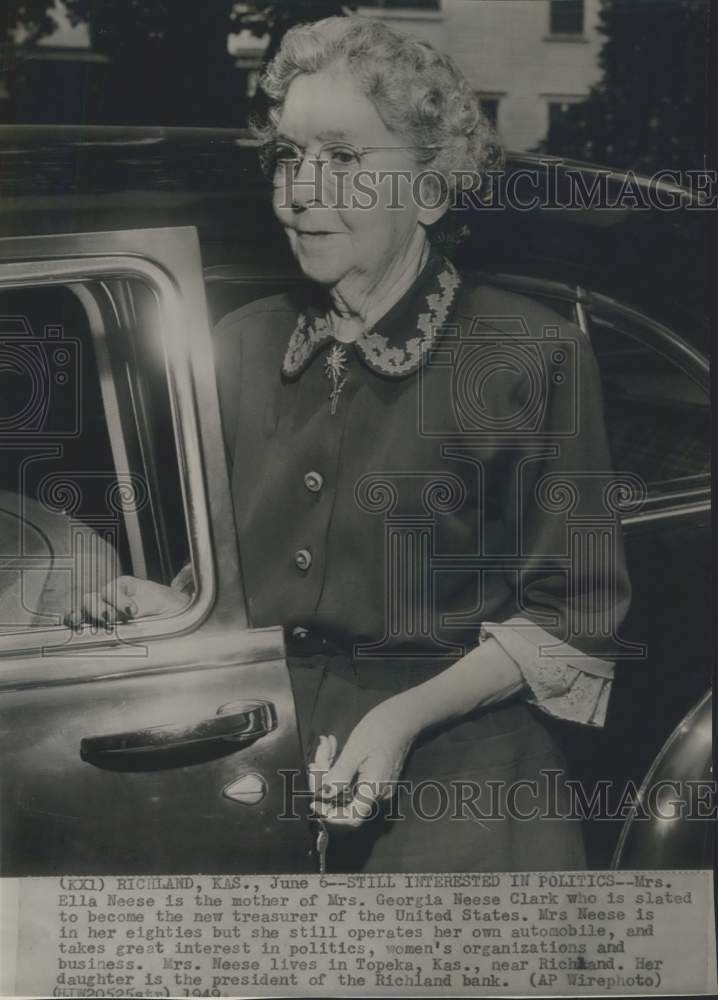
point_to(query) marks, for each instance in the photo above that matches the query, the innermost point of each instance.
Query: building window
(561, 122)
(490, 108)
(566, 17)
(558, 112)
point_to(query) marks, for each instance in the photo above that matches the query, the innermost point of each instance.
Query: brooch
(335, 366)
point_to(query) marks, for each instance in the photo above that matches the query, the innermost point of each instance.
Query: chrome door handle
(238, 723)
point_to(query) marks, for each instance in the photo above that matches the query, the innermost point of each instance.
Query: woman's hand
(373, 758)
(125, 598)
(369, 765)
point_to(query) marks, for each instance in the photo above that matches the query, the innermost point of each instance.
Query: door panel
(657, 410)
(161, 811)
(669, 565)
(143, 814)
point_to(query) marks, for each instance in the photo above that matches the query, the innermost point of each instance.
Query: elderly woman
(420, 479)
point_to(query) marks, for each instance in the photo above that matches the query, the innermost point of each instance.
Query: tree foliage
(167, 60)
(648, 112)
(275, 17)
(31, 17)
(22, 24)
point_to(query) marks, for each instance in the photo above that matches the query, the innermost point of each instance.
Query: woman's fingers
(323, 760)
(113, 603)
(328, 785)
(96, 609)
(344, 801)
(124, 590)
(352, 815)
(73, 619)
(361, 806)
(126, 598)
(337, 780)
(365, 773)
(377, 767)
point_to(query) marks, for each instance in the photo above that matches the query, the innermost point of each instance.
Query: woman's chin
(320, 269)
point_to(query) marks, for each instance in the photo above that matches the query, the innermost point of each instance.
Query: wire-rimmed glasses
(282, 159)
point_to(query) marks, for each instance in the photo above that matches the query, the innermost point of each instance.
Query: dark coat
(464, 477)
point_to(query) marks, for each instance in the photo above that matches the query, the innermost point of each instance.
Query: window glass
(562, 118)
(657, 414)
(90, 486)
(558, 111)
(566, 17)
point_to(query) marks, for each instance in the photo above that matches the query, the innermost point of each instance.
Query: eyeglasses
(282, 159)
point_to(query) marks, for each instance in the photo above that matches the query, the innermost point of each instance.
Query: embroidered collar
(396, 343)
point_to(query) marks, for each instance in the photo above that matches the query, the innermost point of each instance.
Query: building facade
(526, 59)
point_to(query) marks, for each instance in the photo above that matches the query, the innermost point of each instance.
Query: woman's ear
(432, 193)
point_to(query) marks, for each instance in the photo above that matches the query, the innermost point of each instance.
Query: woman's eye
(343, 156)
(284, 155)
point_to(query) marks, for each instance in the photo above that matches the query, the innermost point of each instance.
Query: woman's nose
(307, 182)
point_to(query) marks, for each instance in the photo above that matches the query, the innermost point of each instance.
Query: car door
(657, 407)
(165, 743)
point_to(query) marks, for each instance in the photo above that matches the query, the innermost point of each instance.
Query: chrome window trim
(695, 493)
(690, 353)
(113, 417)
(695, 365)
(58, 640)
(219, 647)
(581, 317)
(540, 286)
(684, 510)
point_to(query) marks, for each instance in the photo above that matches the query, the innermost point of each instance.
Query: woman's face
(334, 241)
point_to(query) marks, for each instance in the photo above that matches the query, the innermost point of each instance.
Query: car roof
(64, 179)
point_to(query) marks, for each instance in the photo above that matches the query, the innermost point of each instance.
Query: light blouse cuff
(184, 580)
(563, 681)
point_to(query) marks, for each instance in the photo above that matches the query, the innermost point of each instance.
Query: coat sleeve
(227, 342)
(570, 584)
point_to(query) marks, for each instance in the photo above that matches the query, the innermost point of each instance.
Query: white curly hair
(419, 92)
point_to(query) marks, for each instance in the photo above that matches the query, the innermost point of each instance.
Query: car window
(90, 483)
(657, 409)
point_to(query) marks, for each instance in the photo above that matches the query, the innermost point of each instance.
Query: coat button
(313, 481)
(303, 558)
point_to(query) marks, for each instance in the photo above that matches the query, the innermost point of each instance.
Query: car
(169, 744)
(658, 837)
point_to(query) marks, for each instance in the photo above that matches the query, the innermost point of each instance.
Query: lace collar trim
(396, 344)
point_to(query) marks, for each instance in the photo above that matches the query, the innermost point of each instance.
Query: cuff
(184, 581)
(563, 681)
